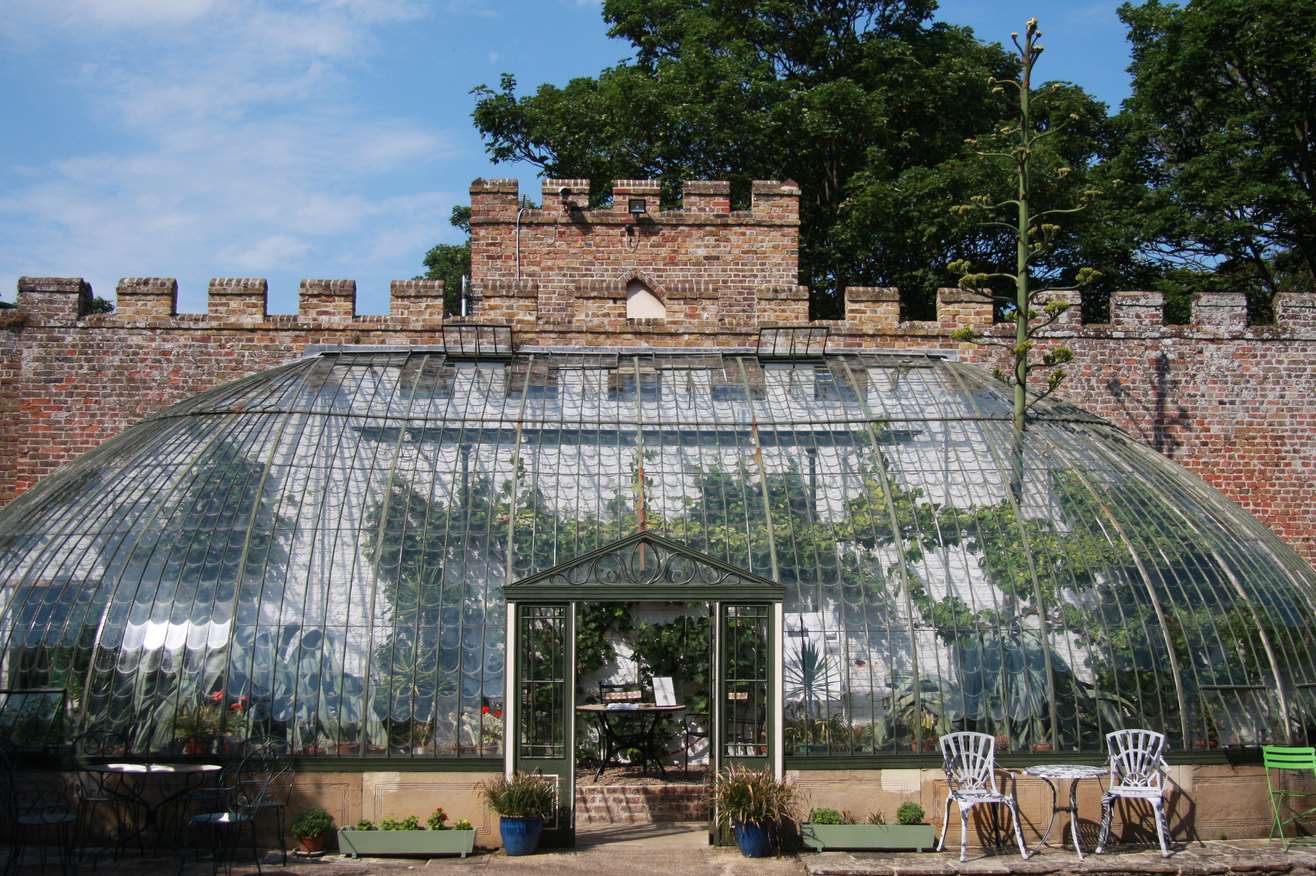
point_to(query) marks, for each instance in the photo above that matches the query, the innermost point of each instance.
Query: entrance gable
(645, 567)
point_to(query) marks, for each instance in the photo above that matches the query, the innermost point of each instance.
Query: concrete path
(1216, 858)
(682, 850)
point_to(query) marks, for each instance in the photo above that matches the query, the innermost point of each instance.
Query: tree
(450, 262)
(1033, 233)
(865, 103)
(1222, 126)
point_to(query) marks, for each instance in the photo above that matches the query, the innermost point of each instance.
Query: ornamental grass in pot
(522, 803)
(754, 805)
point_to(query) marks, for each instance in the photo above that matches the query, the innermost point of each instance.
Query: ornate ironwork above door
(645, 567)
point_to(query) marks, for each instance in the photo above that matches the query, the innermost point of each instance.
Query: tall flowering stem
(1033, 237)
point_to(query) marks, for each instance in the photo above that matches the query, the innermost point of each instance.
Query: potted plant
(408, 837)
(830, 829)
(311, 827)
(753, 805)
(522, 803)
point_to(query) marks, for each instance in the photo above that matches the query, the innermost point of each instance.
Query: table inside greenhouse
(1059, 772)
(615, 739)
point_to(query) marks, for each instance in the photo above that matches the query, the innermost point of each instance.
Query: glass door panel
(747, 678)
(545, 699)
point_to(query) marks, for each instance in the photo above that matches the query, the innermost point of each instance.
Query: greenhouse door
(746, 724)
(542, 714)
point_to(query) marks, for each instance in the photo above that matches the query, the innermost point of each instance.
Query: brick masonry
(1234, 403)
(639, 804)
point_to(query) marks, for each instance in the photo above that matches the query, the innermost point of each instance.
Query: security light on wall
(637, 207)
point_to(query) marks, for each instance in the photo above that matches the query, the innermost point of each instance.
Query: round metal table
(1060, 772)
(615, 740)
(135, 778)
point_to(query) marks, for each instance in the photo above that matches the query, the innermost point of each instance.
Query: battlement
(496, 201)
(598, 305)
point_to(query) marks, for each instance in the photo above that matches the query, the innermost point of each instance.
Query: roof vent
(477, 341)
(792, 342)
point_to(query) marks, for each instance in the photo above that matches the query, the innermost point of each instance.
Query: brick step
(640, 804)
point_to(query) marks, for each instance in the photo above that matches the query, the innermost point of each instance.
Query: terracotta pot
(311, 844)
(1041, 747)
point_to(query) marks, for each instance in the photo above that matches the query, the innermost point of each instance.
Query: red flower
(484, 709)
(498, 713)
(237, 707)
(217, 696)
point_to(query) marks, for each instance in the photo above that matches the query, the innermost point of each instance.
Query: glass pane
(543, 672)
(747, 671)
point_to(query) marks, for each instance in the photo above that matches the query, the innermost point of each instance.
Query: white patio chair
(1137, 772)
(970, 763)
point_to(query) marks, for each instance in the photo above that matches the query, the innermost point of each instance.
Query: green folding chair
(1278, 760)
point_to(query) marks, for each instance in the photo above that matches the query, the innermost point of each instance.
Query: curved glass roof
(319, 552)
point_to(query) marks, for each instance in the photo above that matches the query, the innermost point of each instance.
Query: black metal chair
(627, 692)
(244, 801)
(270, 757)
(36, 807)
(93, 747)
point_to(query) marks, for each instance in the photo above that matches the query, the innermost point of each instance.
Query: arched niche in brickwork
(641, 302)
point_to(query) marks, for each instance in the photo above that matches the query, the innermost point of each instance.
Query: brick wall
(1234, 403)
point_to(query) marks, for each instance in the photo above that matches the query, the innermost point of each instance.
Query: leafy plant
(745, 796)
(366, 824)
(823, 815)
(876, 817)
(311, 823)
(411, 822)
(524, 795)
(438, 820)
(463, 824)
(910, 813)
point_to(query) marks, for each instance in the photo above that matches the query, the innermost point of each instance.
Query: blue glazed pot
(753, 840)
(520, 835)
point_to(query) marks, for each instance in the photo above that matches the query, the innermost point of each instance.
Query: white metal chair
(1137, 772)
(970, 763)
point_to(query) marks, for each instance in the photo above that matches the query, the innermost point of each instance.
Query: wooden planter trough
(379, 843)
(821, 837)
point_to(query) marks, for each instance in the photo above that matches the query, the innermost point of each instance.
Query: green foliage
(834, 95)
(678, 650)
(910, 813)
(438, 820)
(463, 824)
(366, 824)
(311, 823)
(525, 795)
(745, 796)
(596, 623)
(411, 822)
(823, 815)
(450, 262)
(1025, 144)
(876, 818)
(100, 305)
(1219, 130)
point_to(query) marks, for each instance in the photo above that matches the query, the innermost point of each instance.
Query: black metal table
(615, 739)
(144, 786)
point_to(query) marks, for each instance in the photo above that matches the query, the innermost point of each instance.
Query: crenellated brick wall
(1232, 402)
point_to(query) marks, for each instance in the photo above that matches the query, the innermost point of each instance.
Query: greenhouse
(326, 553)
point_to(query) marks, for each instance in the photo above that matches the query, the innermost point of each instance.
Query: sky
(311, 138)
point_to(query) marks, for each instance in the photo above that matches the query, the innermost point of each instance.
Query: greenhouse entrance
(544, 719)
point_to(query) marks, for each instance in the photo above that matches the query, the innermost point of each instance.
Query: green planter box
(820, 837)
(353, 842)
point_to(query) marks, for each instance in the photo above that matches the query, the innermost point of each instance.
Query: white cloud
(230, 146)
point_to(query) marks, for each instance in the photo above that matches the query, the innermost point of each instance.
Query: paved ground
(677, 850)
(1215, 858)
